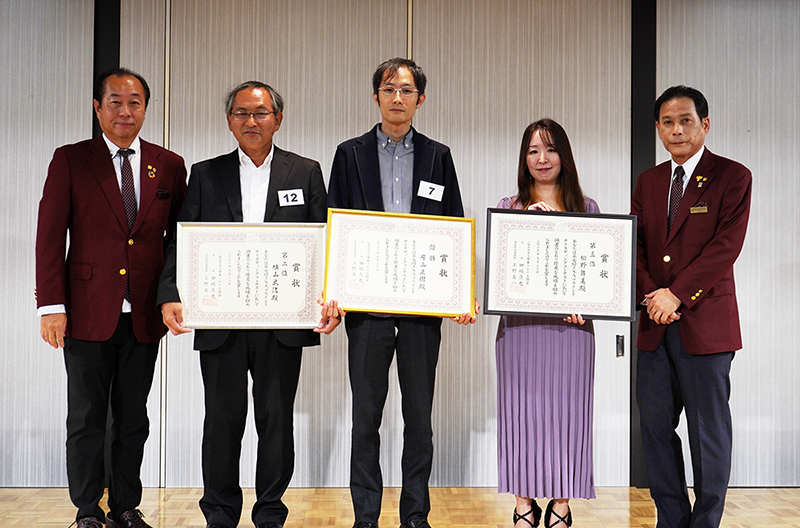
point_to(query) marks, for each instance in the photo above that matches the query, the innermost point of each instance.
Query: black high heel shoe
(535, 510)
(548, 513)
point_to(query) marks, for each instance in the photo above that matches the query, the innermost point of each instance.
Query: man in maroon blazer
(117, 197)
(692, 217)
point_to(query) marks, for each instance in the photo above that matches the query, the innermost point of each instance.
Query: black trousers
(116, 373)
(670, 380)
(275, 369)
(372, 344)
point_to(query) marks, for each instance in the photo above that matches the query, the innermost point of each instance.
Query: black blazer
(355, 181)
(214, 195)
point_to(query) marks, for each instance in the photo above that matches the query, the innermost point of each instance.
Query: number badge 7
(430, 190)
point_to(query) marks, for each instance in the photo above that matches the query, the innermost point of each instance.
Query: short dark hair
(277, 100)
(554, 136)
(678, 92)
(390, 68)
(100, 84)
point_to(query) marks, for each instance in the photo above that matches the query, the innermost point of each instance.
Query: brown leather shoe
(90, 522)
(128, 519)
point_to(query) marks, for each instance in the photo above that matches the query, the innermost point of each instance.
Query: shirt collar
(136, 145)
(691, 164)
(384, 140)
(246, 162)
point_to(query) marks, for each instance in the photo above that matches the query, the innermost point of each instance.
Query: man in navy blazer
(117, 197)
(692, 214)
(393, 168)
(247, 185)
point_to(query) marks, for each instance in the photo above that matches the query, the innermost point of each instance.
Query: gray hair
(277, 100)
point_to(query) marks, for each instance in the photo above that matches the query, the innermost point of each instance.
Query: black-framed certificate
(255, 276)
(400, 263)
(554, 264)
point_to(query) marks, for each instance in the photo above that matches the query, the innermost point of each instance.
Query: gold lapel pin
(151, 171)
(700, 179)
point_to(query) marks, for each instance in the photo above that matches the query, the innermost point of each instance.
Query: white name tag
(291, 197)
(431, 191)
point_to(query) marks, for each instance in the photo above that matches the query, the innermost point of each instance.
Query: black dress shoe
(549, 513)
(128, 519)
(364, 524)
(270, 525)
(89, 522)
(215, 525)
(535, 512)
(416, 523)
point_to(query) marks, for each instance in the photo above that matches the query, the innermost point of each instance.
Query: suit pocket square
(161, 194)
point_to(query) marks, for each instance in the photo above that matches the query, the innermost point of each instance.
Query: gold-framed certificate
(400, 263)
(556, 264)
(255, 276)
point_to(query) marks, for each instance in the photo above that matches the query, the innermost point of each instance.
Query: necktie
(128, 200)
(128, 190)
(675, 194)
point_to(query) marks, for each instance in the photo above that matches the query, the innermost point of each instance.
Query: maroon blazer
(82, 197)
(695, 261)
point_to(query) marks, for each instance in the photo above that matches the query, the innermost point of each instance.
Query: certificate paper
(235, 275)
(400, 264)
(556, 264)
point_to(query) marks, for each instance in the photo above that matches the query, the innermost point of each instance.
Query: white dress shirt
(254, 186)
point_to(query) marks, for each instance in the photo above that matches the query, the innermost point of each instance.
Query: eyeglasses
(406, 92)
(244, 116)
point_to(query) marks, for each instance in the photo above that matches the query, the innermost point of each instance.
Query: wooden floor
(452, 508)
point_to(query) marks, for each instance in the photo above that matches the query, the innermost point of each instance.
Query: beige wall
(493, 67)
(46, 53)
(478, 103)
(743, 56)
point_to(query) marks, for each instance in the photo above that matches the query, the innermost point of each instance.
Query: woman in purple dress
(545, 366)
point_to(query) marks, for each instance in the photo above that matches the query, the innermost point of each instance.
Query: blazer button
(130, 242)
(667, 258)
(123, 271)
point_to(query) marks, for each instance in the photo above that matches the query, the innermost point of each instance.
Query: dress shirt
(688, 167)
(136, 167)
(396, 163)
(254, 186)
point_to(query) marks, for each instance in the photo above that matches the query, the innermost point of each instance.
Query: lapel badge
(700, 179)
(151, 171)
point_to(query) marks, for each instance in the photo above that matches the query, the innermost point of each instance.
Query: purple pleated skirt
(545, 394)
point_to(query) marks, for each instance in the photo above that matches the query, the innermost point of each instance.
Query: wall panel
(494, 67)
(333, 104)
(743, 56)
(321, 62)
(142, 49)
(46, 104)
(143, 28)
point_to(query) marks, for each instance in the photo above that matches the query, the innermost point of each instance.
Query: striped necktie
(675, 194)
(129, 201)
(128, 190)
